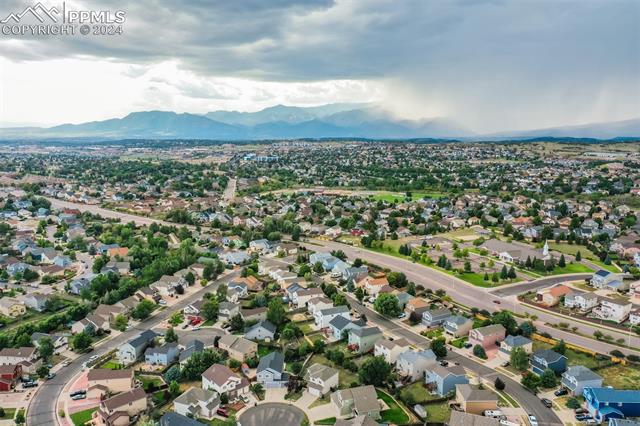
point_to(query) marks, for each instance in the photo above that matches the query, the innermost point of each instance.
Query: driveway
(272, 414)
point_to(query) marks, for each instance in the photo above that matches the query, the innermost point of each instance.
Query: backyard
(395, 414)
(81, 417)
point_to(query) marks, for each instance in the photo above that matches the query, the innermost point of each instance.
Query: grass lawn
(9, 413)
(416, 391)
(438, 412)
(346, 376)
(158, 398)
(621, 376)
(477, 279)
(572, 268)
(391, 197)
(573, 357)
(263, 350)
(327, 421)
(395, 414)
(112, 365)
(432, 334)
(150, 380)
(81, 417)
(306, 327)
(459, 343)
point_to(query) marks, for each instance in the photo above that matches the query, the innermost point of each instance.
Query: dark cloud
(461, 55)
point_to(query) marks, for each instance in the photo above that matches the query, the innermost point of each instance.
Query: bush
(617, 353)
(479, 352)
(573, 403)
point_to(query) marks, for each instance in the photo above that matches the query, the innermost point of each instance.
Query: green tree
(439, 347)
(479, 352)
(560, 347)
(171, 336)
(374, 371)
(387, 304)
(530, 381)
(120, 323)
(45, 348)
(578, 256)
(174, 389)
(276, 313)
(499, 384)
(42, 371)
(359, 293)
(143, 310)
(236, 323)
(80, 341)
(519, 359)
(210, 309)
(506, 319)
(176, 318)
(548, 379)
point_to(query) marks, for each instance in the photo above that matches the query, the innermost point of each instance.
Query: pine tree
(504, 272)
(578, 256)
(562, 263)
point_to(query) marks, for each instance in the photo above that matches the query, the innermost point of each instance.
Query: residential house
(604, 278)
(132, 351)
(363, 339)
(118, 410)
(606, 403)
(318, 303)
(58, 340)
(258, 314)
(221, 379)
(36, 301)
(487, 336)
(460, 418)
(579, 377)
(612, 310)
(263, 330)
(12, 307)
(302, 296)
(197, 403)
(358, 401)
(101, 381)
(167, 284)
(25, 357)
(324, 316)
(321, 379)
(190, 348)
(583, 301)
(390, 349)
(551, 296)
(340, 325)
(547, 358)
(327, 260)
(162, 355)
(475, 401)
(9, 376)
(457, 325)
(238, 347)
(435, 317)
(512, 342)
(235, 257)
(413, 364)
(444, 379)
(374, 285)
(415, 307)
(270, 371)
(226, 310)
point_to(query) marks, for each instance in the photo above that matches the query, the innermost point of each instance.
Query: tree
(387, 304)
(190, 278)
(531, 382)
(527, 328)
(562, 262)
(171, 336)
(172, 374)
(578, 256)
(504, 272)
(276, 313)
(236, 323)
(560, 347)
(374, 371)
(174, 389)
(519, 359)
(80, 341)
(42, 371)
(176, 318)
(506, 319)
(19, 419)
(120, 323)
(198, 363)
(45, 348)
(439, 347)
(548, 379)
(143, 310)
(397, 279)
(499, 384)
(210, 309)
(479, 352)
(339, 299)
(573, 403)
(359, 293)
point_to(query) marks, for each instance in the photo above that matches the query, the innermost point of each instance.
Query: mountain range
(289, 122)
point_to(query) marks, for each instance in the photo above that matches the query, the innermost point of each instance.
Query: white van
(492, 413)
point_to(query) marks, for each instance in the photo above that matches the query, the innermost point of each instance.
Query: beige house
(358, 401)
(238, 347)
(475, 401)
(118, 410)
(103, 380)
(12, 307)
(320, 379)
(25, 356)
(390, 349)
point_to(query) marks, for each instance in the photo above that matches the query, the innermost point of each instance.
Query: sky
(493, 65)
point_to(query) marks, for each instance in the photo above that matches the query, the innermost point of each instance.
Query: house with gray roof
(358, 401)
(197, 403)
(162, 355)
(363, 339)
(263, 330)
(270, 371)
(324, 316)
(547, 358)
(340, 325)
(413, 364)
(511, 342)
(190, 348)
(435, 317)
(131, 351)
(457, 325)
(321, 379)
(578, 377)
(444, 379)
(175, 419)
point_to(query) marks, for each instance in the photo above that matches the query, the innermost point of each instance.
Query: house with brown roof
(221, 379)
(118, 410)
(474, 400)
(416, 307)
(358, 401)
(238, 347)
(104, 380)
(24, 356)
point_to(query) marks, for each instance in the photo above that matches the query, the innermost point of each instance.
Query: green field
(399, 197)
(572, 268)
(621, 376)
(395, 414)
(81, 417)
(572, 249)
(327, 421)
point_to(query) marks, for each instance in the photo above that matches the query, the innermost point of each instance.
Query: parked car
(561, 391)
(506, 364)
(533, 421)
(467, 345)
(184, 326)
(51, 376)
(497, 302)
(581, 410)
(222, 412)
(78, 397)
(582, 417)
(444, 363)
(66, 363)
(547, 402)
(29, 385)
(402, 315)
(78, 392)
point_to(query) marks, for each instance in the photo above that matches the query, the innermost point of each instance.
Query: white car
(532, 420)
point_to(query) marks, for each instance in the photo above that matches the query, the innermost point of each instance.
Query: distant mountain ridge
(289, 122)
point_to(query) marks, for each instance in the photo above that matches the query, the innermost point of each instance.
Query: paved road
(272, 414)
(230, 190)
(471, 296)
(42, 409)
(530, 402)
(111, 214)
(519, 288)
